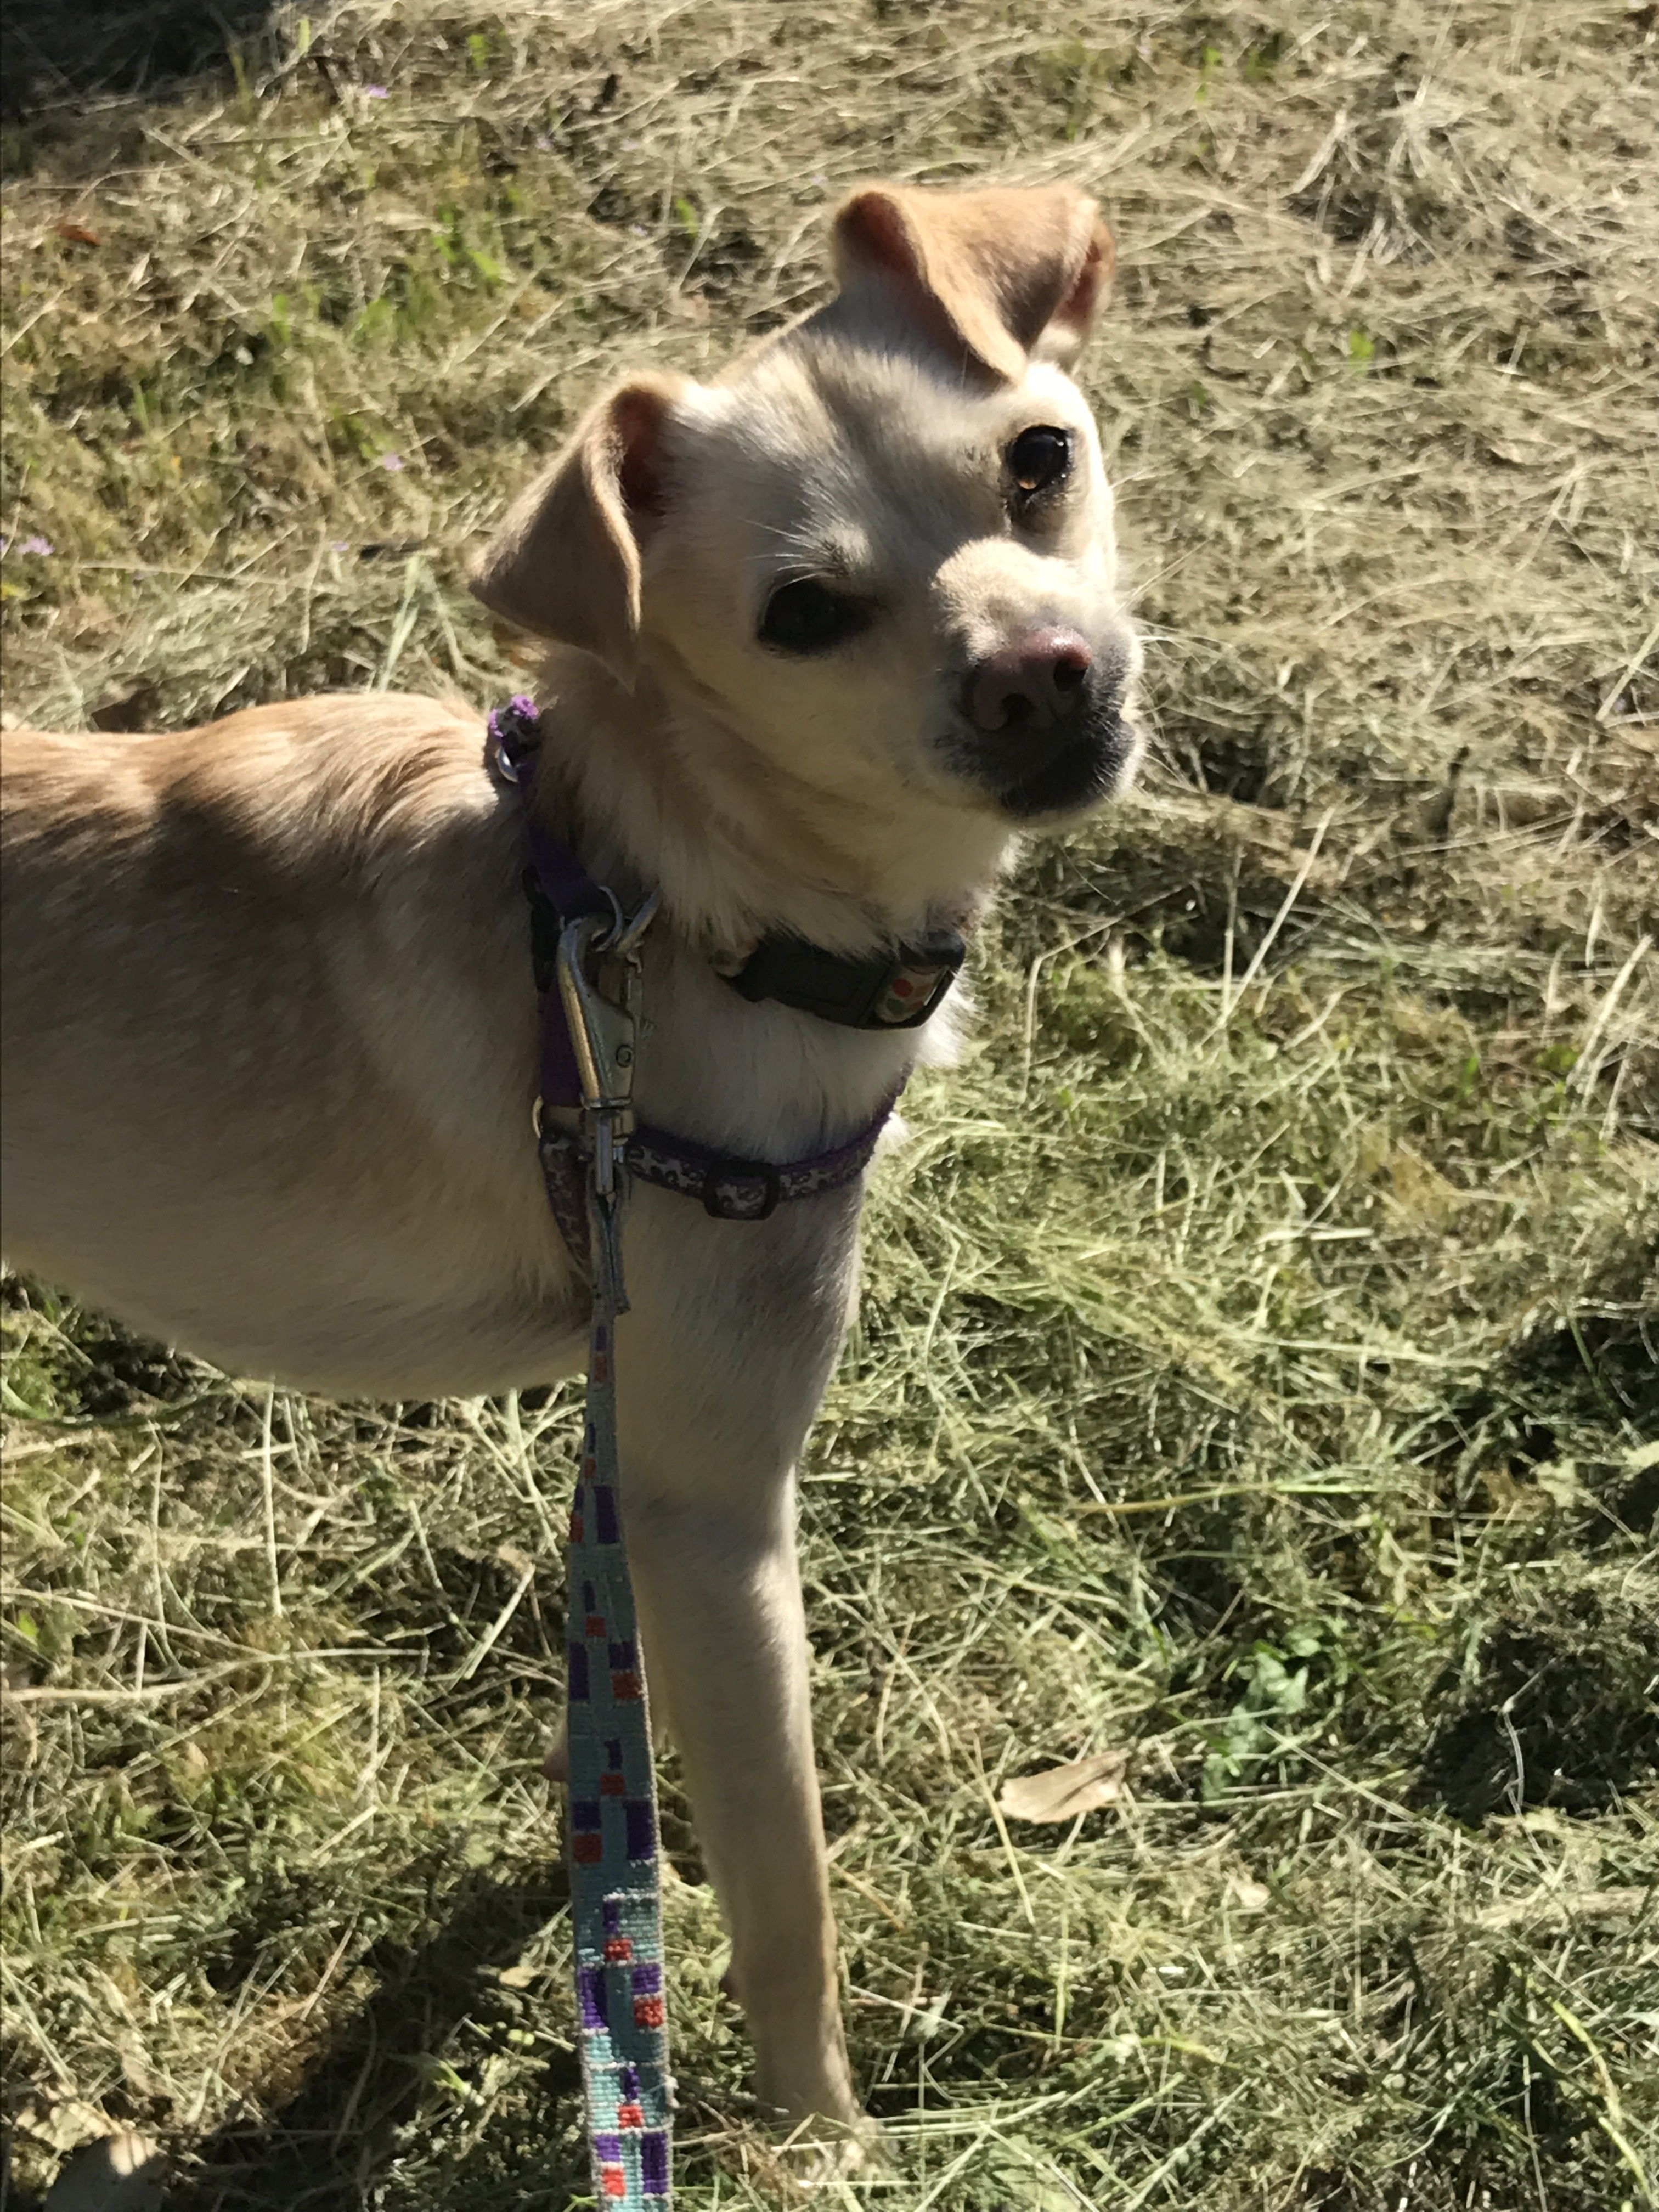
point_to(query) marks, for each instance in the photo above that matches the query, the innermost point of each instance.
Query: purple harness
(561, 891)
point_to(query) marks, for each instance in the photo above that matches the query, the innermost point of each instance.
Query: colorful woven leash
(614, 1880)
(614, 1890)
(584, 1118)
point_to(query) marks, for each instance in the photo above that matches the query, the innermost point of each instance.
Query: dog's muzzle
(1041, 726)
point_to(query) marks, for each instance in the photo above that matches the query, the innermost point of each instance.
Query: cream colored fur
(268, 1020)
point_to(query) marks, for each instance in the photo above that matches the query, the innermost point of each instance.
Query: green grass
(1258, 1366)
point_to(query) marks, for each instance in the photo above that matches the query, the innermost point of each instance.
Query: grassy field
(1259, 1368)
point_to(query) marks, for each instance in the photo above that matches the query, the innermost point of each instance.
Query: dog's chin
(1073, 771)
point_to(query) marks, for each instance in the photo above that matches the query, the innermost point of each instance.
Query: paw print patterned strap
(728, 1189)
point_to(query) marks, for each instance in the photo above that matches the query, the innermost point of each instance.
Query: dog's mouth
(1076, 763)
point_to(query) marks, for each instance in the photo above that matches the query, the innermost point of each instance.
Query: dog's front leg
(725, 1640)
(716, 1393)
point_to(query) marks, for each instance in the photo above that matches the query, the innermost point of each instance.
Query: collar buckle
(740, 1171)
(897, 989)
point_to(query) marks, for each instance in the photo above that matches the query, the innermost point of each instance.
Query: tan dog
(827, 634)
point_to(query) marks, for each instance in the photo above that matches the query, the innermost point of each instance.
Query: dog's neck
(656, 784)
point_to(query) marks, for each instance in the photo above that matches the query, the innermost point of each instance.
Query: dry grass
(1259, 1368)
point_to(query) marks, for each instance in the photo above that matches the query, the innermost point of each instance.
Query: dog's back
(228, 950)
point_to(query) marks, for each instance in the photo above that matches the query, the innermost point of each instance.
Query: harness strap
(730, 1189)
(560, 890)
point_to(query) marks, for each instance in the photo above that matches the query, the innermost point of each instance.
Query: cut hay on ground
(1258, 1369)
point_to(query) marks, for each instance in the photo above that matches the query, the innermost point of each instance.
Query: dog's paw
(819, 2152)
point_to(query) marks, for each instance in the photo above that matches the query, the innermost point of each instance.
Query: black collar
(893, 989)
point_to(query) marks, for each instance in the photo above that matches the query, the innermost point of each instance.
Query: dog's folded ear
(997, 278)
(565, 563)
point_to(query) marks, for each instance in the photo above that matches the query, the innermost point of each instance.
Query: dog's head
(879, 549)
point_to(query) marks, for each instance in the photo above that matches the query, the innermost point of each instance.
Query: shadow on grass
(51, 54)
(1557, 1708)
(1550, 1704)
(328, 2148)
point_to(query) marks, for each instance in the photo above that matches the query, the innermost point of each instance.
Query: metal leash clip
(599, 973)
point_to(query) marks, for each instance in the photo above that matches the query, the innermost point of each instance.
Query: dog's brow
(804, 551)
(791, 536)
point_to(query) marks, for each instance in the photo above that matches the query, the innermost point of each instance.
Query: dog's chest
(757, 1081)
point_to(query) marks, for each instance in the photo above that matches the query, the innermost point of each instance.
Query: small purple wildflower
(375, 92)
(37, 545)
(544, 143)
(339, 545)
(393, 463)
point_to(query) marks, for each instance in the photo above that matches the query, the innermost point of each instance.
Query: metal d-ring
(606, 945)
(502, 762)
(629, 933)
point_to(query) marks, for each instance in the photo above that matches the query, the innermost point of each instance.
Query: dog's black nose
(1032, 684)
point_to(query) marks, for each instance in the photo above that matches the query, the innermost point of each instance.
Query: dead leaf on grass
(1060, 1793)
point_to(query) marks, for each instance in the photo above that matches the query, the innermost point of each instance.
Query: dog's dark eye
(1040, 459)
(808, 616)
